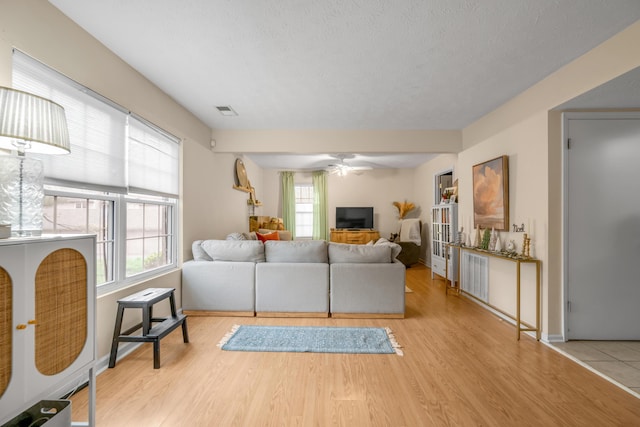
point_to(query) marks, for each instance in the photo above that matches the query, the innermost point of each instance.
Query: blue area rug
(311, 339)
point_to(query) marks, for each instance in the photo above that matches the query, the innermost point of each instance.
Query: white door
(603, 215)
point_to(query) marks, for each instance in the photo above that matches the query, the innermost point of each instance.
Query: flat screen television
(355, 218)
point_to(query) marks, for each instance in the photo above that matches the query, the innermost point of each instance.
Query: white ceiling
(359, 64)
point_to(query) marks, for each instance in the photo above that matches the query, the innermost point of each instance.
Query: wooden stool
(145, 300)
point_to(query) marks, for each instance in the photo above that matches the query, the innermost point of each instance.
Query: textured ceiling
(337, 64)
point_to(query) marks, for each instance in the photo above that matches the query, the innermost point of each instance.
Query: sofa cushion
(198, 253)
(310, 251)
(395, 248)
(263, 237)
(359, 254)
(234, 250)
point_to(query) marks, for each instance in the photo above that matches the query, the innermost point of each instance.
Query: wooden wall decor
(61, 310)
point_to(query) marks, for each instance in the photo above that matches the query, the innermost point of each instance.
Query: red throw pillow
(269, 236)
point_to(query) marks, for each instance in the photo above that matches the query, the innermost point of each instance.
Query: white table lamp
(27, 123)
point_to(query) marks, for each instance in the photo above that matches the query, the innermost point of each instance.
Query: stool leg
(156, 354)
(185, 333)
(172, 303)
(116, 335)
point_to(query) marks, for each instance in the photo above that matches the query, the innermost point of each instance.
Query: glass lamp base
(21, 194)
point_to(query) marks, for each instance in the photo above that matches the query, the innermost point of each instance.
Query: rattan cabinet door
(61, 310)
(6, 331)
(12, 329)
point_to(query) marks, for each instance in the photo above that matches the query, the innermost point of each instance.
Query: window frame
(296, 187)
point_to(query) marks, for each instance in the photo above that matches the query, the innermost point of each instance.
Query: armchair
(410, 239)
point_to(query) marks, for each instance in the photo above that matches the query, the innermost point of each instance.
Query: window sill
(131, 282)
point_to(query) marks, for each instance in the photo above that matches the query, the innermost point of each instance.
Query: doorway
(442, 181)
(602, 223)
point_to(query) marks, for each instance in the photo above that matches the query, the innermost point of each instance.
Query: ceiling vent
(226, 110)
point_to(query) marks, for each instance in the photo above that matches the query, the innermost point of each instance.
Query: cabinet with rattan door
(47, 318)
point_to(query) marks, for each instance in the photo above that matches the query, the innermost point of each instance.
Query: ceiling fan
(341, 168)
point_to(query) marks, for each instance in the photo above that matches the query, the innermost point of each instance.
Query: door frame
(436, 182)
(566, 117)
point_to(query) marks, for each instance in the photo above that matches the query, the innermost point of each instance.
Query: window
(120, 180)
(149, 237)
(304, 210)
(76, 214)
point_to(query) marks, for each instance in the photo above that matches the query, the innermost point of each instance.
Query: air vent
(226, 110)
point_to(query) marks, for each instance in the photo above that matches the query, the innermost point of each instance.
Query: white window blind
(111, 149)
(96, 129)
(153, 160)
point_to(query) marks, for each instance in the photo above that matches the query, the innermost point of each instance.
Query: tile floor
(618, 360)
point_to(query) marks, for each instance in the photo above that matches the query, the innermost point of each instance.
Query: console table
(454, 286)
(359, 237)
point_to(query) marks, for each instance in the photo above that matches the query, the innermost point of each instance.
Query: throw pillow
(395, 248)
(358, 254)
(269, 236)
(234, 250)
(236, 236)
(306, 251)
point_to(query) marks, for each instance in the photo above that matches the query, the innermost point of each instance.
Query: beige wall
(378, 188)
(40, 30)
(526, 130)
(337, 141)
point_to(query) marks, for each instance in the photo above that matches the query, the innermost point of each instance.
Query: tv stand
(355, 236)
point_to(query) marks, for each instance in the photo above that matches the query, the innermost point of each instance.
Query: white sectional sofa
(310, 278)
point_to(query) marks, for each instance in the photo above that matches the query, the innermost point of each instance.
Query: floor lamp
(27, 123)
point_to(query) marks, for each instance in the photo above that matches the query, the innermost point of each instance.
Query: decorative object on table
(477, 239)
(460, 237)
(486, 238)
(404, 208)
(468, 241)
(311, 339)
(27, 123)
(511, 246)
(493, 239)
(491, 193)
(519, 229)
(498, 245)
(526, 242)
(5, 231)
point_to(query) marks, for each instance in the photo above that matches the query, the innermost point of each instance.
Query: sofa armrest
(367, 288)
(218, 286)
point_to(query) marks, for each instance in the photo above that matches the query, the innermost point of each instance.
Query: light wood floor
(461, 366)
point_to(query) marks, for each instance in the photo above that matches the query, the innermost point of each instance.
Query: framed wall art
(491, 194)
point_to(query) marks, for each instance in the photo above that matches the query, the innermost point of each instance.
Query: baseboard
(290, 314)
(367, 315)
(196, 313)
(552, 338)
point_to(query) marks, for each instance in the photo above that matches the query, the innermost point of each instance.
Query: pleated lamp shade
(36, 123)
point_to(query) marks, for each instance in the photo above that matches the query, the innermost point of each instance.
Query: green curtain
(320, 206)
(288, 202)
